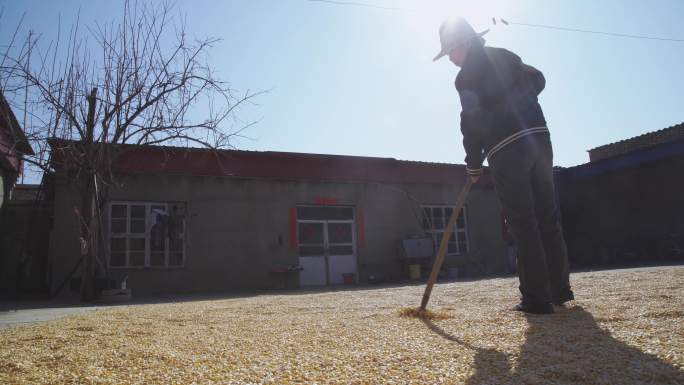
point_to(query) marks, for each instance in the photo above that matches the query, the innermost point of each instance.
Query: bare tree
(141, 84)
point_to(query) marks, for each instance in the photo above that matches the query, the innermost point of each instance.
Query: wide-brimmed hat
(453, 33)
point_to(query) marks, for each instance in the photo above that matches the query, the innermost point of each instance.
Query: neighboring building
(13, 145)
(200, 220)
(15, 214)
(24, 238)
(641, 142)
(627, 204)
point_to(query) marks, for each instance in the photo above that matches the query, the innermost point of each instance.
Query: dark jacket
(498, 97)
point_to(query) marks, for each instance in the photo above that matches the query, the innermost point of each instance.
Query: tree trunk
(89, 226)
(88, 231)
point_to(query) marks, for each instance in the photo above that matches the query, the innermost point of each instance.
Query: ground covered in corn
(626, 327)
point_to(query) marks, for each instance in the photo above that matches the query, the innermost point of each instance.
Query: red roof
(282, 165)
(288, 165)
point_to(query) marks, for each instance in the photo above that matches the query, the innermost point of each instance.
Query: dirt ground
(625, 327)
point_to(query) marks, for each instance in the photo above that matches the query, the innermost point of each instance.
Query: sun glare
(425, 17)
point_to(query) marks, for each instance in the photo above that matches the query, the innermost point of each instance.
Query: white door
(312, 253)
(340, 250)
(326, 246)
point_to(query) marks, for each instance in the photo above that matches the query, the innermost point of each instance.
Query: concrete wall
(237, 230)
(64, 249)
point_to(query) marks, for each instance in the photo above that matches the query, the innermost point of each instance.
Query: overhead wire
(508, 22)
(591, 31)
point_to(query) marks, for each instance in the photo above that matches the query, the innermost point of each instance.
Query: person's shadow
(568, 348)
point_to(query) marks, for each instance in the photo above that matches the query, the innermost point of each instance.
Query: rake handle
(445, 242)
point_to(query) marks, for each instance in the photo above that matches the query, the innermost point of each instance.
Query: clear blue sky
(355, 80)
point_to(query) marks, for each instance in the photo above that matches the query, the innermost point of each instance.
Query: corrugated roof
(674, 148)
(650, 139)
(286, 165)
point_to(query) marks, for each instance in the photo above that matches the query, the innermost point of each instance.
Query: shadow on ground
(568, 347)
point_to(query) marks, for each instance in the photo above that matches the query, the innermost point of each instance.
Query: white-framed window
(326, 230)
(435, 219)
(146, 234)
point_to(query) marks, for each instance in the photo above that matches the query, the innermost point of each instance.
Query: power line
(593, 32)
(506, 22)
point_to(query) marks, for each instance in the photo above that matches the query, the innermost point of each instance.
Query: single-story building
(627, 204)
(188, 219)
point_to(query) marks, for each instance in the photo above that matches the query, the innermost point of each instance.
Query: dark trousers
(523, 176)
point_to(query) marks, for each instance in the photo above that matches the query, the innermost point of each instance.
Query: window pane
(437, 214)
(462, 248)
(452, 249)
(447, 215)
(157, 215)
(137, 226)
(137, 211)
(157, 208)
(427, 220)
(340, 232)
(176, 244)
(462, 242)
(117, 244)
(136, 244)
(117, 254)
(118, 219)
(137, 219)
(311, 233)
(461, 237)
(461, 220)
(119, 211)
(305, 251)
(158, 236)
(438, 240)
(157, 243)
(341, 250)
(118, 226)
(175, 225)
(136, 253)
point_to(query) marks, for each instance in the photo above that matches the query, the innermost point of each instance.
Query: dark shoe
(563, 298)
(537, 308)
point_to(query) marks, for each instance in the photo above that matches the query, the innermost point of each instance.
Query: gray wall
(64, 249)
(234, 226)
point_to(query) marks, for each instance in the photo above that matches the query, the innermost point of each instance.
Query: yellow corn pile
(417, 312)
(626, 327)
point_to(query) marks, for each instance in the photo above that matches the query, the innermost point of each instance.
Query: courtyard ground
(625, 327)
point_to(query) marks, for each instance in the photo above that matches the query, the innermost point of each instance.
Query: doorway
(327, 249)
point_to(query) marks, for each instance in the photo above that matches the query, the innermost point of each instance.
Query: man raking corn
(502, 121)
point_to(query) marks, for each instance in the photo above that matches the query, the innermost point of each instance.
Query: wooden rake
(445, 241)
